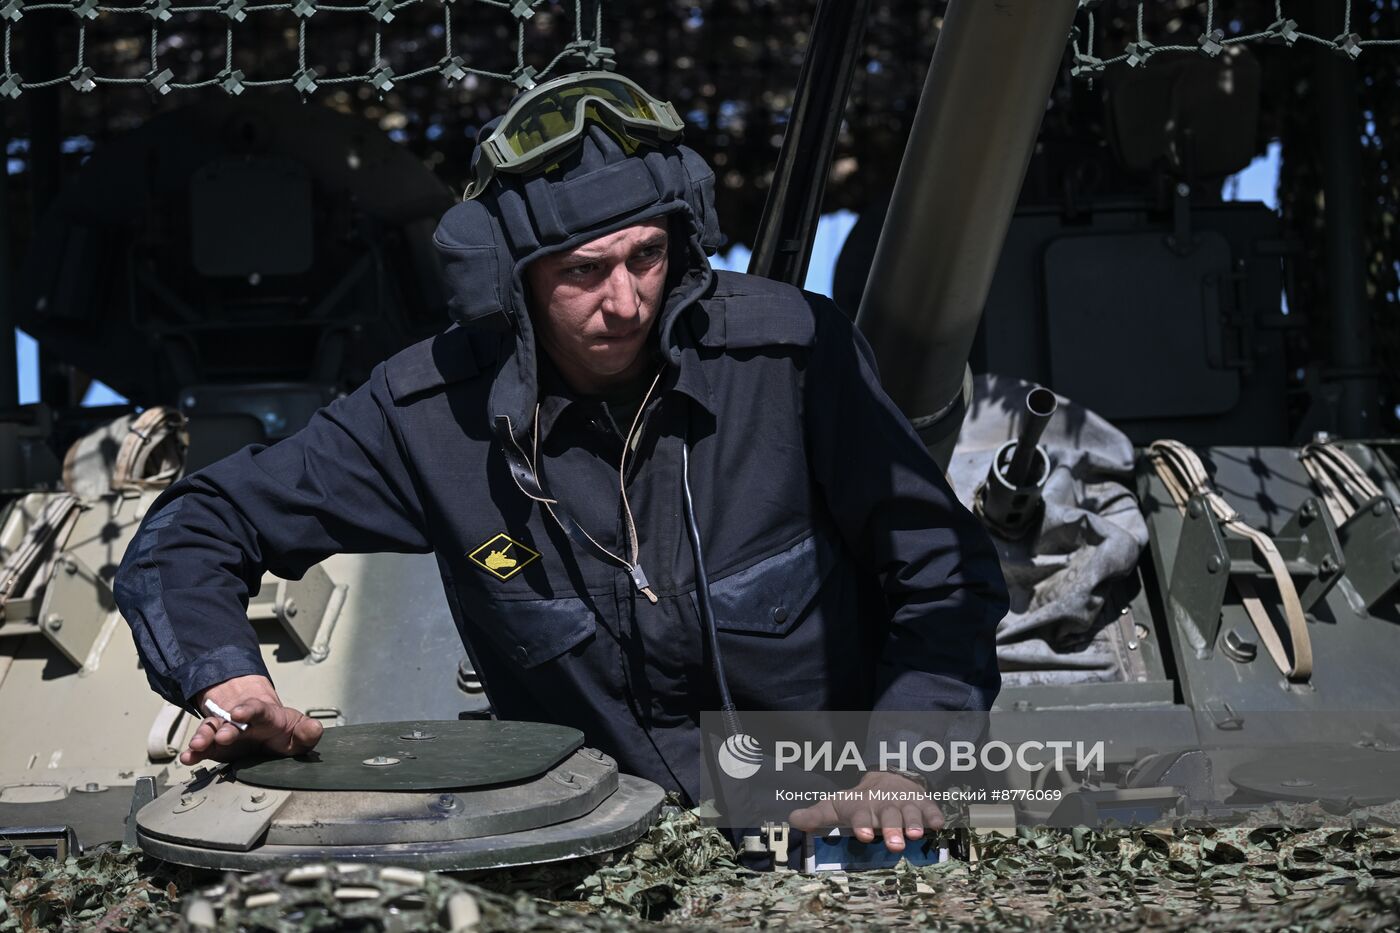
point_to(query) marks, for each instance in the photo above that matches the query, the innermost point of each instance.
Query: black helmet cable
(702, 596)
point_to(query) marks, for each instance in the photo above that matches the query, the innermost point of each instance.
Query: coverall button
(521, 654)
(779, 615)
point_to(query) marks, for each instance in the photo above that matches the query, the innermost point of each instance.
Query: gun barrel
(972, 138)
(1040, 406)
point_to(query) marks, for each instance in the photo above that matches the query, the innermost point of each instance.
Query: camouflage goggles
(547, 121)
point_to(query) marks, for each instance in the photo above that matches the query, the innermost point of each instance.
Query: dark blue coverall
(844, 573)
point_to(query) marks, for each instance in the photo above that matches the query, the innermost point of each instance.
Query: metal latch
(772, 839)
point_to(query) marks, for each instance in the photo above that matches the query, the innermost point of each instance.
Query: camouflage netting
(731, 66)
(1289, 112)
(1341, 874)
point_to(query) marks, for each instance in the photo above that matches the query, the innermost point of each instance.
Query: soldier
(608, 422)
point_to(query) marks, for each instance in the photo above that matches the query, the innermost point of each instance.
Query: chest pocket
(531, 632)
(775, 594)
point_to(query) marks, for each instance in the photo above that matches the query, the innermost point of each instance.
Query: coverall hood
(486, 243)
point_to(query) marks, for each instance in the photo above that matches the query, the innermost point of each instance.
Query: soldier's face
(594, 306)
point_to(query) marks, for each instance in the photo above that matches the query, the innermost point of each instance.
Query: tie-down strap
(1185, 476)
(153, 452)
(1344, 485)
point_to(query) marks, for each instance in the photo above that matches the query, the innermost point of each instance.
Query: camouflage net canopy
(1214, 36)
(430, 72)
(377, 15)
(1326, 873)
(164, 18)
(1289, 38)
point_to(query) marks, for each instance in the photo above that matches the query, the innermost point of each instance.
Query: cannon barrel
(970, 143)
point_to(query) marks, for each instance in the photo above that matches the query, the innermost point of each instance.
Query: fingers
(913, 820)
(297, 733)
(894, 825)
(225, 732)
(255, 712)
(863, 823)
(212, 741)
(213, 732)
(892, 828)
(199, 743)
(306, 734)
(204, 735)
(270, 725)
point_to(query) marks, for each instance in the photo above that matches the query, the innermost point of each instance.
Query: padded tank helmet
(605, 181)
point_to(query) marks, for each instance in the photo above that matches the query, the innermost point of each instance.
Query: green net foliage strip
(1213, 39)
(306, 79)
(1294, 867)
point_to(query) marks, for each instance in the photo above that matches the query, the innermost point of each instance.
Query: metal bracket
(142, 793)
(41, 841)
(1309, 546)
(772, 839)
(777, 834)
(1189, 771)
(221, 814)
(307, 609)
(1370, 540)
(1206, 558)
(76, 608)
(1200, 573)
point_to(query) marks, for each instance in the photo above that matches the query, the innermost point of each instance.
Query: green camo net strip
(1297, 868)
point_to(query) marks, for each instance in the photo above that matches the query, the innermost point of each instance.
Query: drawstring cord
(632, 566)
(638, 578)
(531, 484)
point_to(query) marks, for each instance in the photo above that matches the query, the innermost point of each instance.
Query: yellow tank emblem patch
(503, 557)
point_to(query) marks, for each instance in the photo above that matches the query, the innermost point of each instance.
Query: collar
(689, 378)
(555, 395)
(686, 377)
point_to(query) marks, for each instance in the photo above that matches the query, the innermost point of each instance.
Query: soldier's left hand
(894, 820)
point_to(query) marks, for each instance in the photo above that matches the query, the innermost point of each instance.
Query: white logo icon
(740, 756)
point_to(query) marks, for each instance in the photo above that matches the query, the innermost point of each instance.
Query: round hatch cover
(1332, 773)
(419, 755)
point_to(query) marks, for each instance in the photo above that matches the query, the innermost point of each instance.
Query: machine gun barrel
(1009, 501)
(1040, 406)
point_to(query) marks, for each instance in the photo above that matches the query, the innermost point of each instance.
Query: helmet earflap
(470, 245)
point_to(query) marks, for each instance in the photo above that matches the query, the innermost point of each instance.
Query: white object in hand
(223, 714)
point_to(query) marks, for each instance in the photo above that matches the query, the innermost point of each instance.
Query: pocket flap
(531, 632)
(773, 595)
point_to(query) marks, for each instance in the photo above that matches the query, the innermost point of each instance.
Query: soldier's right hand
(272, 727)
